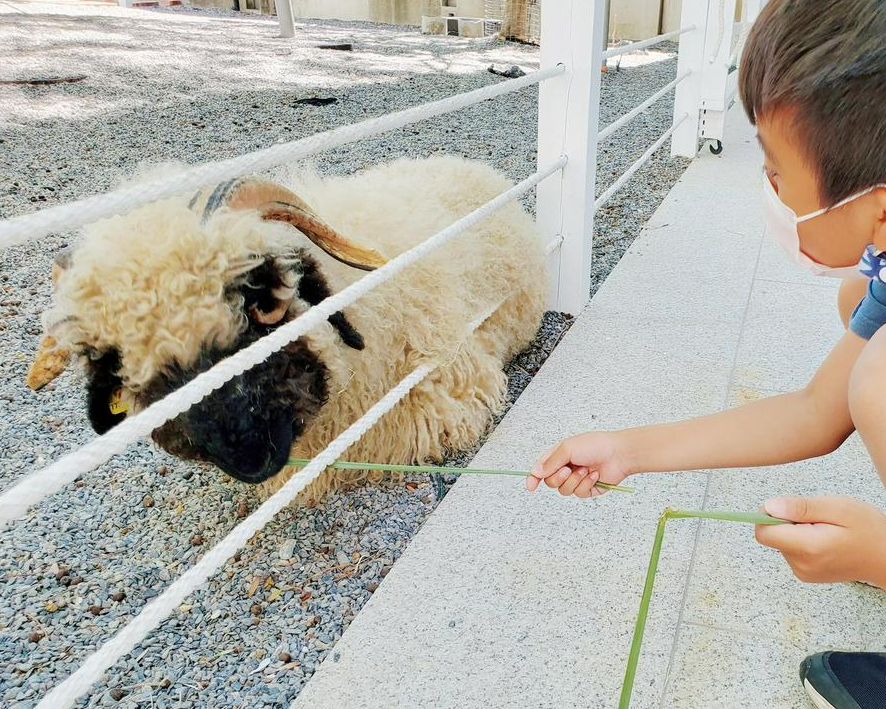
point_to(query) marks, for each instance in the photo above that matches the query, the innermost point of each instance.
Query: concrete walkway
(506, 599)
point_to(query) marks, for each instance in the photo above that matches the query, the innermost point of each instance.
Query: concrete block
(515, 600)
(472, 28)
(617, 371)
(678, 274)
(789, 330)
(720, 193)
(714, 668)
(739, 585)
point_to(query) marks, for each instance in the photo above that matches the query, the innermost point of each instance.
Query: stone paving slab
(506, 599)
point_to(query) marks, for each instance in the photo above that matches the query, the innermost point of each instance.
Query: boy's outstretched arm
(803, 424)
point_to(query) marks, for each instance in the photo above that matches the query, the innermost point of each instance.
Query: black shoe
(845, 680)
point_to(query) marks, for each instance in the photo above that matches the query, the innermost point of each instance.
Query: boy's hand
(835, 538)
(575, 465)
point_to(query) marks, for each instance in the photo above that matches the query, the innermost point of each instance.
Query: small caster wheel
(716, 147)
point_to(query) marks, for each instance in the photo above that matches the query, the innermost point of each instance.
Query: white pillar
(717, 84)
(687, 98)
(284, 17)
(572, 34)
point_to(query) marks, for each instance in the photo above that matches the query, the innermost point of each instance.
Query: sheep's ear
(49, 362)
(102, 391)
(61, 262)
(276, 203)
(51, 359)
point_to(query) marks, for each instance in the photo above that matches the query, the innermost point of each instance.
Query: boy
(813, 81)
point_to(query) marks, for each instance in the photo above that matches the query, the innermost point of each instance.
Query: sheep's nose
(252, 447)
(244, 431)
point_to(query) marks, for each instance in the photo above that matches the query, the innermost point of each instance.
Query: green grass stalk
(627, 687)
(390, 467)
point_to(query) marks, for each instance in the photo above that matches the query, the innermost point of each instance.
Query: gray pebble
(287, 549)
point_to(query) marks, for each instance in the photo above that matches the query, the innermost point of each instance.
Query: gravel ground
(197, 86)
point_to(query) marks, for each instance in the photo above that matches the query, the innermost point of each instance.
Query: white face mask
(781, 224)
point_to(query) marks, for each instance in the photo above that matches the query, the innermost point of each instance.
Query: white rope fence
(553, 245)
(37, 485)
(721, 30)
(643, 44)
(16, 500)
(639, 108)
(735, 57)
(627, 174)
(75, 214)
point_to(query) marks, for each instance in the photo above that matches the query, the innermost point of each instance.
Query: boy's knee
(867, 384)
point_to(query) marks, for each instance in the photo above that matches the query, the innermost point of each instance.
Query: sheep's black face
(248, 426)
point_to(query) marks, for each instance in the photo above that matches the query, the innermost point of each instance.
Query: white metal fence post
(691, 57)
(284, 17)
(572, 34)
(718, 83)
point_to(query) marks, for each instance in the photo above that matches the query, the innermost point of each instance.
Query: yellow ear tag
(116, 404)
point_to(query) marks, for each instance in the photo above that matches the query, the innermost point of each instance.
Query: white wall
(638, 19)
(633, 19)
(628, 19)
(398, 12)
(671, 14)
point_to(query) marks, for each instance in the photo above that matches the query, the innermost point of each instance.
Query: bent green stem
(640, 626)
(389, 467)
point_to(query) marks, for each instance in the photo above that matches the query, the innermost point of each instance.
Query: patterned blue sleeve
(870, 313)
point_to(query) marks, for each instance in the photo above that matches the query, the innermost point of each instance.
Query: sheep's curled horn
(274, 203)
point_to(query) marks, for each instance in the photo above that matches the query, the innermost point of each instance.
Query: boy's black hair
(825, 62)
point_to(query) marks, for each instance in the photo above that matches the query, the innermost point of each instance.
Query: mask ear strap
(842, 202)
(816, 213)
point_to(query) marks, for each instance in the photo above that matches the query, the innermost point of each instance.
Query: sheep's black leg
(313, 288)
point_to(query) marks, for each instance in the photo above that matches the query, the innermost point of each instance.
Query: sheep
(147, 300)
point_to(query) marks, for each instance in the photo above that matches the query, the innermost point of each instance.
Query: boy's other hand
(575, 465)
(834, 538)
